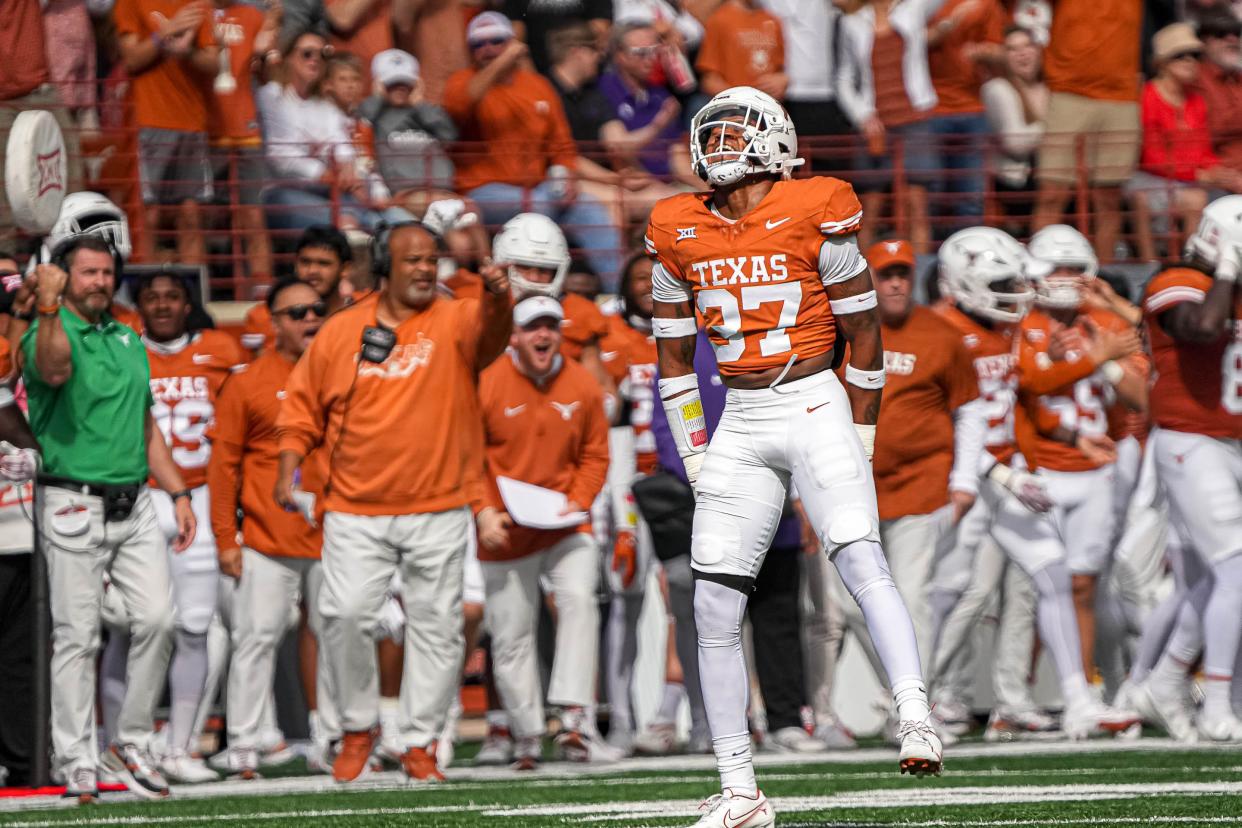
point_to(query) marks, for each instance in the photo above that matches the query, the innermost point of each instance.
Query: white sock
(187, 674)
(1058, 628)
(497, 720)
(1222, 630)
(733, 760)
(718, 612)
(910, 696)
(1216, 701)
(670, 703)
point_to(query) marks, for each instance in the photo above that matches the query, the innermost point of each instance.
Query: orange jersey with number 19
(185, 383)
(756, 280)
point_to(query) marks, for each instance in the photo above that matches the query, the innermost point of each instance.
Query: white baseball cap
(488, 26)
(537, 307)
(393, 66)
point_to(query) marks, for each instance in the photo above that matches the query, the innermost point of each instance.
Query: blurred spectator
(311, 150)
(742, 46)
(1220, 82)
(810, 32)
(884, 86)
(409, 133)
(582, 282)
(1091, 66)
(534, 20)
(24, 84)
(529, 161)
(575, 55)
(963, 39)
(645, 132)
(360, 27)
(1016, 104)
(437, 37)
(662, 15)
(71, 58)
(244, 35)
(1177, 165)
(168, 59)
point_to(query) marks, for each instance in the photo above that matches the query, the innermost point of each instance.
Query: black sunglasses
(310, 52)
(643, 51)
(495, 41)
(298, 312)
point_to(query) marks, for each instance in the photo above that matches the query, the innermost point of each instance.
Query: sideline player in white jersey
(1194, 323)
(773, 265)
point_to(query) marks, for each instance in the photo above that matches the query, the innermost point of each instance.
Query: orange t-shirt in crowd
(244, 463)
(185, 385)
(439, 42)
(6, 360)
(892, 102)
(1088, 404)
(413, 436)
(257, 328)
(170, 93)
(1198, 387)
(930, 376)
(741, 44)
(956, 77)
(371, 35)
(232, 118)
(555, 436)
(127, 316)
(1093, 49)
(756, 281)
(521, 126)
(584, 325)
(23, 56)
(633, 369)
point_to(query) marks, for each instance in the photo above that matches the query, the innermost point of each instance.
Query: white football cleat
(732, 809)
(182, 767)
(657, 739)
(1166, 707)
(1017, 723)
(1095, 719)
(921, 749)
(835, 735)
(953, 717)
(1226, 728)
(497, 748)
(793, 740)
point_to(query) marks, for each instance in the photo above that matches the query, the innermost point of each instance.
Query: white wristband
(674, 328)
(866, 433)
(685, 414)
(1112, 372)
(1001, 474)
(853, 304)
(871, 380)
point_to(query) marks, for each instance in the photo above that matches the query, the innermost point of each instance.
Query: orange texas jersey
(185, 383)
(756, 281)
(1081, 401)
(1198, 386)
(636, 352)
(584, 324)
(994, 354)
(6, 361)
(257, 330)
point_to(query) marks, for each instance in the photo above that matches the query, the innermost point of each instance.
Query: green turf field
(1153, 782)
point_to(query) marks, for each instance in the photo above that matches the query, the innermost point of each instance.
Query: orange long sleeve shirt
(402, 436)
(244, 462)
(555, 436)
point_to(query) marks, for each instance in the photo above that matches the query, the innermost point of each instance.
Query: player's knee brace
(718, 611)
(863, 568)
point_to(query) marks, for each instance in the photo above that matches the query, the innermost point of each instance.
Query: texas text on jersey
(758, 281)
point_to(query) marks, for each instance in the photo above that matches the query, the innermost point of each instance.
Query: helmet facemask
(738, 134)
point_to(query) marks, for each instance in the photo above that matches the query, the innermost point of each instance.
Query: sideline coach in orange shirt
(387, 386)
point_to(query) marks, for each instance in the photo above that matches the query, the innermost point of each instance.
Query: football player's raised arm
(1201, 321)
(676, 331)
(851, 296)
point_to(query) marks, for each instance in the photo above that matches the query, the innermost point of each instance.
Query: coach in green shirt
(88, 384)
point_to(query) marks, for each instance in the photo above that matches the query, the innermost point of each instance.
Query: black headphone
(381, 245)
(67, 246)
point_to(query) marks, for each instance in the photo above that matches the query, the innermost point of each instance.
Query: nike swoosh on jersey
(515, 410)
(772, 225)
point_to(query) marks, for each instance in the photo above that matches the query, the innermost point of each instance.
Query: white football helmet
(974, 260)
(534, 240)
(1057, 246)
(764, 137)
(92, 213)
(1217, 243)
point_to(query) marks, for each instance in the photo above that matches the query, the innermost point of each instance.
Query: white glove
(448, 214)
(1026, 487)
(866, 433)
(693, 464)
(18, 465)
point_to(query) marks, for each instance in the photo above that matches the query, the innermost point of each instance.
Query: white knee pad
(863, 568)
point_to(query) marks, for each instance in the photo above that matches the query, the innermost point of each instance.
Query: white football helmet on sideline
(1217, 242)
(764, 137)
(533, 240)
(972, 263)
(1072, 261)
(88, 212)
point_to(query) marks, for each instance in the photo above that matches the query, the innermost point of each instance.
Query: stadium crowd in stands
(455, 191)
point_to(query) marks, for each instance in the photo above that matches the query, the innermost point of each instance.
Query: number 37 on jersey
(758, 282)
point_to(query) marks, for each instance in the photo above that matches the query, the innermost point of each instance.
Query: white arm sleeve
(665, 287)
(970, 426)
(839, 259)
(6, 397)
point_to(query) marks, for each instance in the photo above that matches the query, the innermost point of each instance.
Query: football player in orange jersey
(986, 274)
(188, 369)
(1194, 323)
(773, 266)
(1082, 485)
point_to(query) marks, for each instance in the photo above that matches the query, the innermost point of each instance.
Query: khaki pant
(1110, 130)
(360, 555)
(512, 612)
(264, 609)
(133, 552)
